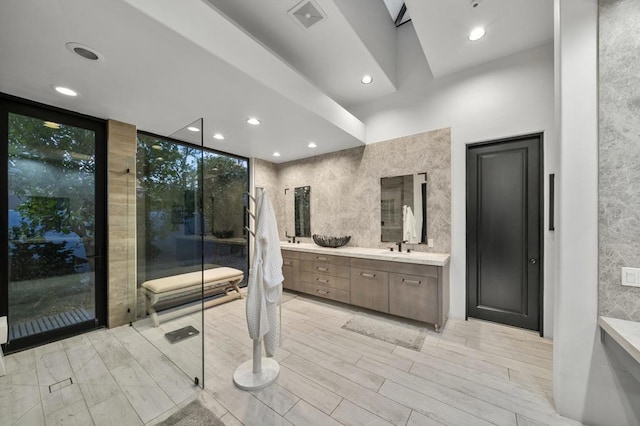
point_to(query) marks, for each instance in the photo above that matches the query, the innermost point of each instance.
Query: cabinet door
(413, 296)
(370, 289)
(291, 272)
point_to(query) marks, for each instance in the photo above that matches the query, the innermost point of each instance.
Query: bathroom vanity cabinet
(414, 285)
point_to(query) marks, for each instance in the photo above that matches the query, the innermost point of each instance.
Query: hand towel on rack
(265, 282)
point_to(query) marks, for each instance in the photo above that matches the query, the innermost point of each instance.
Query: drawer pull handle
(288, 263)
(322, 281)
(321, 258)
(365, 275)
(411, 281)
(322, 291)
(321, 269)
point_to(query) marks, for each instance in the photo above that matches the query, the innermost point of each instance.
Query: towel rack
(248, 210)
(253, 375)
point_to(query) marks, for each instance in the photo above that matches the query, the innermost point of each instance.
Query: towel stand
(259, 372)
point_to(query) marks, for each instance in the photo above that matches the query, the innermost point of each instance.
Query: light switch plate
(430, 242)
(631, 277)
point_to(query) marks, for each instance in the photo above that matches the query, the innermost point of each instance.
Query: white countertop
(626, 333)
(422, 258)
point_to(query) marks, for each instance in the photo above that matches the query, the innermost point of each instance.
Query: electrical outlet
(631, 277)
(430, 242)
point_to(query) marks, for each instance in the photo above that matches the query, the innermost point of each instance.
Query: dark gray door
(504, 221)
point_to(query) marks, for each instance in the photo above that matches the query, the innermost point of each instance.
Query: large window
(54, 198)
(190, 210)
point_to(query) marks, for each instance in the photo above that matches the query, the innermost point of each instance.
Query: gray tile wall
(619, 155)
(266, 176)
(345, 186)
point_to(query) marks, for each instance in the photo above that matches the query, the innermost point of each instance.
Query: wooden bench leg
(4, 332)
(236, 288)
(154, 317)
(151, 311)
(3, 369)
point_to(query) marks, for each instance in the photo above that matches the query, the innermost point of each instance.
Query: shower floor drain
(181, 334)
(60, 385)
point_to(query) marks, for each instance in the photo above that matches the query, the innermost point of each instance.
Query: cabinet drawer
(325, 292)
(396, 267)
(325, 280)
(291, 272)
(414, 296)
(326, 258)
(324, 268)
(290, 254)
(370, 289)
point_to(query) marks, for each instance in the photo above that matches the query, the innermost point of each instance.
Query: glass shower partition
(170, 242)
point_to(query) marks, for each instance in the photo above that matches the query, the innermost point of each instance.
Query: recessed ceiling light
(312, 145)
(83, 51)
(218, 136)
(156, 147)
(65, 91)
(51, 125)
(366, 79)
(476, 34)
(253, 121)
(276, 154)
(193, 129)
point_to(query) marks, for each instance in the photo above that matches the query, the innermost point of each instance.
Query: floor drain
(181, 334)
(60, 385)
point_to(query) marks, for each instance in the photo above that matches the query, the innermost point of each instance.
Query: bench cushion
(176, 282)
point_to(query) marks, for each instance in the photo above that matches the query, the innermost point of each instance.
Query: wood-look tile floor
(474, 373)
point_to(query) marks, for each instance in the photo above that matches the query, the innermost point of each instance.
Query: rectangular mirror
(403, 208)
(302, 211)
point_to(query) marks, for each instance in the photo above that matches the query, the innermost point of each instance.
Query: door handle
(533, 261)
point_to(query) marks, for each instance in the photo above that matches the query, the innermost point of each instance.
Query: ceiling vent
(307, 13)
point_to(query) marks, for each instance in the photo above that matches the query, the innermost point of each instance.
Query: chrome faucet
(399, 244)
(293, 237)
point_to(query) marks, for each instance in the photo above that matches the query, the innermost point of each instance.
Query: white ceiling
(168, 63)
(512, 26)
(331, 53)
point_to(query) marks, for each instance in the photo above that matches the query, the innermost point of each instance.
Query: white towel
(265, 281)
(409, 233)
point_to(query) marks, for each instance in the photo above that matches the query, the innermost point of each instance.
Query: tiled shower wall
(345, 186)
(122, 139)
(619, 156)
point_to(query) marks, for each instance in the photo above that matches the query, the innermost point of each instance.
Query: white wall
(509, 97)
(591, 380)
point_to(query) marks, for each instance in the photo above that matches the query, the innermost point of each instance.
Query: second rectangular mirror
(403, 208)
(298, 212)
(302, 211)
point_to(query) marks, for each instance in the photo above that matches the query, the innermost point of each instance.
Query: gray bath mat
(388, 330)
(181, 334)
(193, 414)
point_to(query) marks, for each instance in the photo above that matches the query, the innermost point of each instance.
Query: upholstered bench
(175, 290)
